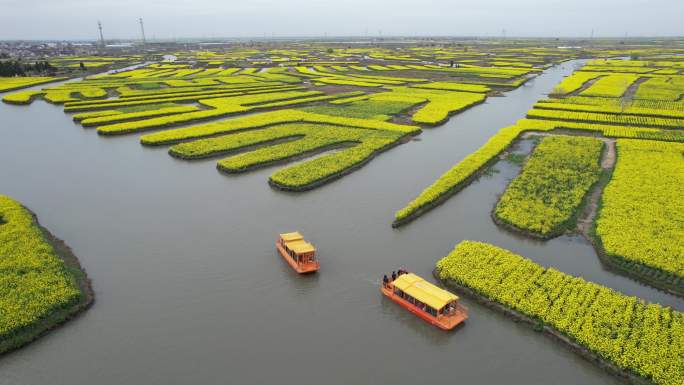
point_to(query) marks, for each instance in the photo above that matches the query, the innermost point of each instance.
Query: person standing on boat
(385, 280)
(394, 276)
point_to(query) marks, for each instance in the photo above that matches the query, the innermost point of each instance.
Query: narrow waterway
(189, 288)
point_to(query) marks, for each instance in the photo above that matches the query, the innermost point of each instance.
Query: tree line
(18, 68)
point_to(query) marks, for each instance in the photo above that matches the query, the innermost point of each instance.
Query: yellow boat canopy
(424, 291)
(300, 247)
(290, 237)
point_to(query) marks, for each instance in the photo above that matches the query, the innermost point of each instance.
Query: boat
(429, 302)
(298, 253)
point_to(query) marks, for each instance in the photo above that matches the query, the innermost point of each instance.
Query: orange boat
(300, 254)
(429, 302)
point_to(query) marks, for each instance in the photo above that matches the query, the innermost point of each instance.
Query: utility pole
(99, 26)
(142, 30)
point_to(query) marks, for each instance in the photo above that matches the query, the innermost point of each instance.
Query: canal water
(189, 288)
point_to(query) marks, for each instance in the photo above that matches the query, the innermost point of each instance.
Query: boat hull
(306, 268)
(442, 322)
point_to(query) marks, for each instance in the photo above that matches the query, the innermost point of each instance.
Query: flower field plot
(666, 88)
(574, 83)
(15, 83)
(607, 108)
(607, 118)
(373, 107)
(220, 107)
(640, 225)
(23, 97)
(40, 287)
(457, 177)
(74, 62)
(287, 141)
(303, 100)
(544, 198)
(440, 104)
(610, 86)
(656, 65)
(615, 105)
(629, 336)
(346, 101)
(638, 229)
(267, 119)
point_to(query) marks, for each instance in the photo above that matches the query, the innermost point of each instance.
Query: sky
(166, 19)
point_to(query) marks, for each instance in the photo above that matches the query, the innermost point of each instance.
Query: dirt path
(628, 96)
(586, 85)
(586, 218)
(405, 117)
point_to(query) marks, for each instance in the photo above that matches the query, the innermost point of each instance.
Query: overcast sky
(77, 19)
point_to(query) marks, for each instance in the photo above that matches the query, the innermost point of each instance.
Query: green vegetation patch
(364, 109)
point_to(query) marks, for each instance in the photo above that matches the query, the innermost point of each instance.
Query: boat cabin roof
(424, 291)
(300, 247)
(289, 237)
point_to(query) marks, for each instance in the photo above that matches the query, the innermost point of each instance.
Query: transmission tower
(142, 30)
(99, 26)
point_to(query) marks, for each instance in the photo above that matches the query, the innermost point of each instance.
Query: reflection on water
(190, 288)
(431, 334)
(299, 284)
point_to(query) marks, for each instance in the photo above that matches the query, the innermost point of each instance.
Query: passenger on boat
(385, 280)
(394, 276)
